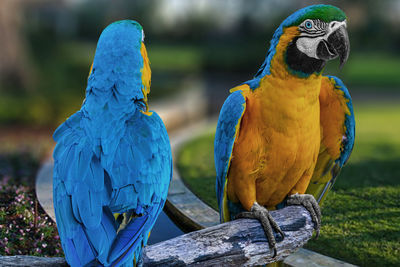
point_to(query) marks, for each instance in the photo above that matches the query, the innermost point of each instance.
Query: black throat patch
(300, 62)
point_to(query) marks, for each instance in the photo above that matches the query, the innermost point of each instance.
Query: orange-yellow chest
(279, 137)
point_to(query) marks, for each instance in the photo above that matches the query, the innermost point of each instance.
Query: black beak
(337, 45)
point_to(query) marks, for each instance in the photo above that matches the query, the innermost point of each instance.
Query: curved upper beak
(336, 45)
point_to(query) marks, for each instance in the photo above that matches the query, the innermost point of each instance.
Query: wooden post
(237, 243)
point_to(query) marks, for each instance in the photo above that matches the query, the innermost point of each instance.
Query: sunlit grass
(361, 215)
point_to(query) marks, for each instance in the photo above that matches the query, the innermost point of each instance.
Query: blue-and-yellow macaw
(112, 157)
(283, 136)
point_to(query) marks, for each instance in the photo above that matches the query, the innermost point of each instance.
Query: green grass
(361, 216)
(196, 166)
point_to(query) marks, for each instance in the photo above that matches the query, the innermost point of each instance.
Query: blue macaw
(112, 161)
(283, 136)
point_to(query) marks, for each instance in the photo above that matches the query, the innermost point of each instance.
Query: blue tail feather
(127, 239)
(102, 237)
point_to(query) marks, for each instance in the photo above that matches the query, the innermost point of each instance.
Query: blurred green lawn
(360, 222)
(61, 71)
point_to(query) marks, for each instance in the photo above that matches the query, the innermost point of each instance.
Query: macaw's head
(120, 74)
(307, 39)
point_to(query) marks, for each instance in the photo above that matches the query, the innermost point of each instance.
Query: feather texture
(338, 133)
(282, 129)
(111, 157)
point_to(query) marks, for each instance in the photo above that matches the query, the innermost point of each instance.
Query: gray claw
(309, 202)
(275, 252)
(268, 223)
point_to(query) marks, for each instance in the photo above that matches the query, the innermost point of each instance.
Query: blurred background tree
(13, 62)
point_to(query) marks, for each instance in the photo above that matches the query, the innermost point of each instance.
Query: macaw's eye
(140, 103)
(308, 24)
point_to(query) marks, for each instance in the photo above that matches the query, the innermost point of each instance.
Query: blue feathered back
(110, 158)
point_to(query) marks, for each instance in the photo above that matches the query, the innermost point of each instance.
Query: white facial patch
(142, 36)
(308, 45)
(309, 39)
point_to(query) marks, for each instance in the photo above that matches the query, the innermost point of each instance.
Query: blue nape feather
(110, 157)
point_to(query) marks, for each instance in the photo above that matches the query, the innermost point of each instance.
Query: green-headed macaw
(112, 157)
(283, 136)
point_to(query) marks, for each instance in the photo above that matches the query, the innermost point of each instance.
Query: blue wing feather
(348, 143)
(228, 123)
(85, 185)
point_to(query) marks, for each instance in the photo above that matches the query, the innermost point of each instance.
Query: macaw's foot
(260, 213)
(309, 202)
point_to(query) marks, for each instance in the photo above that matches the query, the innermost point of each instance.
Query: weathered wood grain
(241, 242)
(29, 261)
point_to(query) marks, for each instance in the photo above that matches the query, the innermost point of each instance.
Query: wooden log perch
(236, 243)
